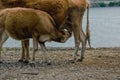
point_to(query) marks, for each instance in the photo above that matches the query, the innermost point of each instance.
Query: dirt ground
(98, 64)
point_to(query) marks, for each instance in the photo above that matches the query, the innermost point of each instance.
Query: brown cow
(58, 9)
(25, 23)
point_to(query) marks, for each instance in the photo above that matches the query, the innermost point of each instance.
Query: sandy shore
(98, 64)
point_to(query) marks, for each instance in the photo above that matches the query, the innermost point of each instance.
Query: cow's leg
(76, 33)
(83, 39)
(82, 35)
(3, 38)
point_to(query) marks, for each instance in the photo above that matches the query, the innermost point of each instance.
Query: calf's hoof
(26, 61)
(32, 64)
(20, 60)
(46, 63)
(1, 62)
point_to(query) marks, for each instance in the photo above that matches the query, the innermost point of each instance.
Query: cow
(59, 10)
(25, 23)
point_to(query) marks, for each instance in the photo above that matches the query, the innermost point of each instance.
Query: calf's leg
(35, 48)
(27, 57)
(3, 38)
(44, 52)
(45, 60)
(25, 51)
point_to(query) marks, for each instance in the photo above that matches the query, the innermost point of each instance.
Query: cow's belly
(56, 8)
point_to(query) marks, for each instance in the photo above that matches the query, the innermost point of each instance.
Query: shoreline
(62, 48)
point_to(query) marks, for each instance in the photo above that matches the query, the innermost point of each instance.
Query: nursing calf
(25, 23)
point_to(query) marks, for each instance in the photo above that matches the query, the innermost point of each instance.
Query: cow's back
(56, 8)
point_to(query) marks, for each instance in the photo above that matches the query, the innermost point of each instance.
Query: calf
(25, 23)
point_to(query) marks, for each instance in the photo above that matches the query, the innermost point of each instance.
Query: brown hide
(25, 23)
(56, 8)
(22, 23)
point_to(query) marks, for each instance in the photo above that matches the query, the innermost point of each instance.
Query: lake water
(104, 26)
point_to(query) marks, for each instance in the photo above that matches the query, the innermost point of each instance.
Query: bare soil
(98, 64)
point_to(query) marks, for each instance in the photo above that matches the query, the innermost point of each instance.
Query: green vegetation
(118, 3)
(114, 4)
(102, 4)
(111, 4)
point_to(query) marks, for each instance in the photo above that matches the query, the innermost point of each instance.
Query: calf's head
(63, 36)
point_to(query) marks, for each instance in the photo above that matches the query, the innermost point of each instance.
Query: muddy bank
(99, 64)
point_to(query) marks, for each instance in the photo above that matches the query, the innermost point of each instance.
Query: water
(104, 26)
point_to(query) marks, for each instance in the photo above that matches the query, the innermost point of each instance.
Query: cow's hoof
(80, 59)
(72, 60)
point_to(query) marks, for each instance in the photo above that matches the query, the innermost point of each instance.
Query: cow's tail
(88, 28)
